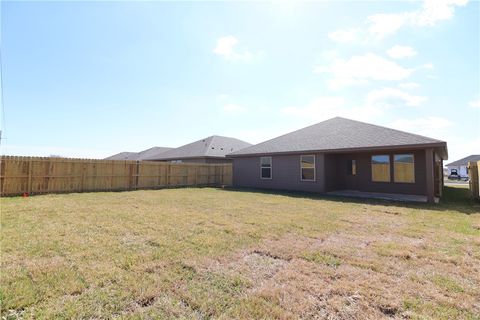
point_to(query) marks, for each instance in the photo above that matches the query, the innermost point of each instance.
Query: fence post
(196, 176)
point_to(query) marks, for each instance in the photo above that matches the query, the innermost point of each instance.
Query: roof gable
(336, 134)
(214, 146)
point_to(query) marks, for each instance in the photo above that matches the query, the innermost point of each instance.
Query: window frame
(314, 168)
(262, 167)
(389, 168)
(352, 163)
(404, 154)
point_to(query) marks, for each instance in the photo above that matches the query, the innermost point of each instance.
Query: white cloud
(459, 147)
(475, 103)
(425, 126)
(233, 108)
(389, 97)
(433, 11)
(384, 24)
(226, 47)
(343, 36)
(360, 69)
(398, 52)
(381, 25)
(409, 85)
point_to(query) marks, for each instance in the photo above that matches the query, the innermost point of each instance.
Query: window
(352, 167)
(266, 167)
(307, 167)
(381, 168)
(404, 168)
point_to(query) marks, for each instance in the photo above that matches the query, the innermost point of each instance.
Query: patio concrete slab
(378, 195)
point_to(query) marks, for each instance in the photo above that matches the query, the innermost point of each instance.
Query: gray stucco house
(342, 154)
(212, 149)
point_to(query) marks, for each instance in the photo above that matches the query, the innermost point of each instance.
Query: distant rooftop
(211, 147)
(138, 155)
(465, 161)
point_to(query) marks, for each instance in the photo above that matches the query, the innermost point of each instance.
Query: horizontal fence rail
(35, 175)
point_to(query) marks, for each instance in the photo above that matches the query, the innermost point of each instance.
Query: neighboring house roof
(211, 147)
(465, 161)
(138, 155)
(123, 156)
(338, 134)
(142, 155)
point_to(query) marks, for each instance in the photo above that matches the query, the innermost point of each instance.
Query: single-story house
(462, 165)
(138, 155)
(345, 155)
(208, 150)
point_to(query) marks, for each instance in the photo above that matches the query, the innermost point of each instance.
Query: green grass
(222, 254)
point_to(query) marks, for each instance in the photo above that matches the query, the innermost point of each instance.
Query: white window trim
(314, 167)
(271, 169)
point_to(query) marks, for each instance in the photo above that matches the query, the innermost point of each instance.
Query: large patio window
(404, 168)
(266, 167)
(307, 167)
(381, 168)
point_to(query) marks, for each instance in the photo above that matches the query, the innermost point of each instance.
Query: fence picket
(37, 175)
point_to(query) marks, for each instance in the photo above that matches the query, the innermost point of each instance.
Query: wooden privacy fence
(474, 173)
(34, 175)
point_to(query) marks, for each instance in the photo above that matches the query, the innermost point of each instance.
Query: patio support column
(430, 172)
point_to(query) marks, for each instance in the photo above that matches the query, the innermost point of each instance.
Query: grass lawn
(222, 254)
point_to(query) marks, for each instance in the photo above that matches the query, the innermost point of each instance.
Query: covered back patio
(401, 174)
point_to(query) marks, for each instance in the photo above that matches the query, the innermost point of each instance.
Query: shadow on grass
(453, 199)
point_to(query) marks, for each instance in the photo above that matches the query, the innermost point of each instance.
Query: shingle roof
(138, 155)
(123, 156)
(142, 155)
(465, 161)
(214, 146)
(337, 134)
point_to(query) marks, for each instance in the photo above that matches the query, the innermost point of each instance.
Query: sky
(91, 79)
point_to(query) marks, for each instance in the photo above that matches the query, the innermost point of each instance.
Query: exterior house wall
(285, 173)
(338, 178)
(331, 173)
(201, 160)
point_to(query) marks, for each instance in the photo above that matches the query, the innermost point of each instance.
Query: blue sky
(89, 79)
